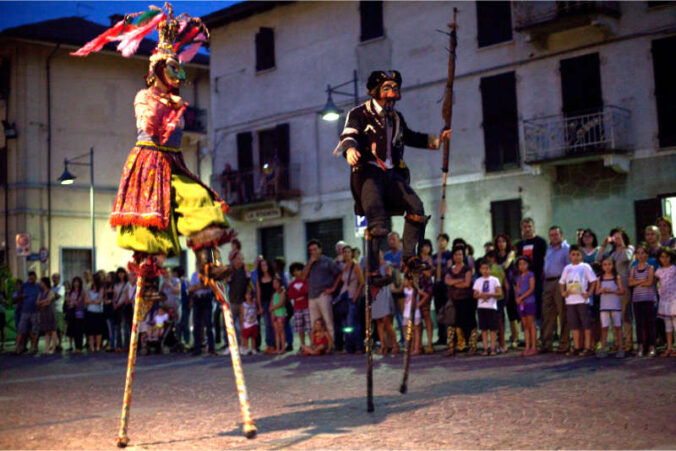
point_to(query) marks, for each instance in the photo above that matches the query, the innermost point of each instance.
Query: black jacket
(365, 128)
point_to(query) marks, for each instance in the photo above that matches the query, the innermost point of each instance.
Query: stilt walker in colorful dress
(373, 143)
(158, 197)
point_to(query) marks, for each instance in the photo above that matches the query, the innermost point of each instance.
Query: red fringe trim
(121, 220)
(225, 207)
(227, 236)
(145, 266)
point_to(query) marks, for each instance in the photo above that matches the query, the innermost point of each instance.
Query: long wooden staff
(447, 114)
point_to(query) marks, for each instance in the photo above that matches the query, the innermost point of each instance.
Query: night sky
(14, 13)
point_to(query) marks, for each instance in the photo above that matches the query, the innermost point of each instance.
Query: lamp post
(331, 112)
(67, 179)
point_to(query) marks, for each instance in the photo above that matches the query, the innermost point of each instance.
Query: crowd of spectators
(524, 297)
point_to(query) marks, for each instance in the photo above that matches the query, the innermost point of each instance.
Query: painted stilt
(409, 337)
(369, 336)
(250, 429)
(141, 308)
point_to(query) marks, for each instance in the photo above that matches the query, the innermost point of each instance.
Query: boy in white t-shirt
(577, 285)
(487, 290)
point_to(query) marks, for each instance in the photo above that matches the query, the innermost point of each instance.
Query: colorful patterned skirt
(160, 199)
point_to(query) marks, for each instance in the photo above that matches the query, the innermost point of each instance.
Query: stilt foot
(250, 431)
(122, 442)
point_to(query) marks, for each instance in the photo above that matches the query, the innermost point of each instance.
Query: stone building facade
(561, 113)
(60, 106)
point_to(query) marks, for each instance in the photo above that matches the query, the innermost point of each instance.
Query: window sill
(265, 71)
(372, 40)
(496, 45)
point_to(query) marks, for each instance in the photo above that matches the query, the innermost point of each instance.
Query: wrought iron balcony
(195, 120)
(562, 137)
(265, 189)
(541, 19)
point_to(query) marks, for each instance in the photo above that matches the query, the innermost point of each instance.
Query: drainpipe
(5, 157)
(49, 150)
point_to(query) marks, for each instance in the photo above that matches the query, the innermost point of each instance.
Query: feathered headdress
(179, 37)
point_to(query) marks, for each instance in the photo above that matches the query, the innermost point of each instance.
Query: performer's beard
(388, 104)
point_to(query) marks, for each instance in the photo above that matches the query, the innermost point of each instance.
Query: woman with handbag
(459, 281)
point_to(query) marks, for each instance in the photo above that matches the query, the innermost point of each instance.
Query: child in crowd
(667, 286)
(610, 288)
(577, 285)
(321, 341)
(643, 298)
(415, 297)
(499, 273)
(525, 301)
(250, 331)
(161, 317)
(298, 295)
(486, 290)
(278, 313)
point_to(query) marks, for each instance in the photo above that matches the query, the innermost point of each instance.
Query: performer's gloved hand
(445, 135)
(353, 156)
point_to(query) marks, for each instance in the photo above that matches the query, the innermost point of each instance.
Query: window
(494, 22)
(245, 164)
(265, 49)
(274, 158)
(500, 124)
(581, 85)
(74, 262)
(664, 67)
(271, 242)
(371, 14)
(506, 218)
(328, 233)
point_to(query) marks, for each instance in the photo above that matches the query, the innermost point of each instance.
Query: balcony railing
(559, 136)
(246, 187)
(195, 120)
(536, 14)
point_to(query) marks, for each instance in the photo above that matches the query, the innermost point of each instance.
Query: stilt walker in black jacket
(373, 143)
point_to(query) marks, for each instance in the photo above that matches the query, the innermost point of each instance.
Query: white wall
(317, 43)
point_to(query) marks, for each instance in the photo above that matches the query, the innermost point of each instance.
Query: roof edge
(240, 11)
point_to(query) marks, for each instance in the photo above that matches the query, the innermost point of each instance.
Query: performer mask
(385, 88)
(388, 94)
(170, 72)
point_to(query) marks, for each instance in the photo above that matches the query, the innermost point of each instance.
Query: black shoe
(289, 348)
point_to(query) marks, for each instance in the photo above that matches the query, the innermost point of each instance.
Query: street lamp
(331, 112)
(67, 178)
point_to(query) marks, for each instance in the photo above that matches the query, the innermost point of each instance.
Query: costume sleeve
(417, 139)
(350, 135)
(145, 108)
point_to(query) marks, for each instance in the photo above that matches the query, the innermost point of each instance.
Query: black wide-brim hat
(379, 77)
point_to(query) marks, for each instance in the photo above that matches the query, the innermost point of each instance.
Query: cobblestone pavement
(548, 401)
